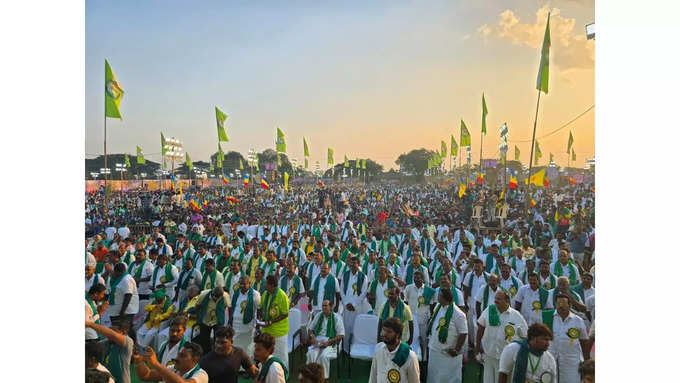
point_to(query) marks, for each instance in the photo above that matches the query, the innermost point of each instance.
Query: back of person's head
(94, 351)
(96, 288)
(539, 329)
(266, 340)
(272, 280)
(312, 373)
(95, 376)
(195, 349)
(587, 368)
(119, 268)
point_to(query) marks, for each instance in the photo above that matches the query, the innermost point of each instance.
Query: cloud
(466, 37)
(569, 50)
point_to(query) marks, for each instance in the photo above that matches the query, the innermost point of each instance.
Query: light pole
(120, 168)
(590, 31)
(173, 150)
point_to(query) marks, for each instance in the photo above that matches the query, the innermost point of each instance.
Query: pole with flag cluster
(113, 94)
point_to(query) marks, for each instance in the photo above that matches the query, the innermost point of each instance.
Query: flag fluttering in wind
(484, 113)
(537, 178)
(285, 181)
(330, 157)
(320, 183)
(264, 183)
(537, 153)
(113, 93)
(542, 79)
(551, 157)
(464, 134)
(573, 155)
(280, 141)
(140, 157)
(163, 149)
(225, 179)
(240, 164)
(357, 164)
(513, 183)
(306, 148)
(346, 161)
(127, 161)
(533, 203)
(516, 153)
(232, 200)
(461, 190)
(480, 178)
(444, 149)
(220, 153)
(221, 130)
(570, 142)
(454, 147)
(246, 180)
(363, 164)
(188, 162)
(212, 168)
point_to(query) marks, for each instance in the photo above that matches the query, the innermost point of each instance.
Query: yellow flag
(461, 190)
(536, 179)
(285, 180)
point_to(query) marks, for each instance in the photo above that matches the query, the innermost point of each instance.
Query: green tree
(415, 161)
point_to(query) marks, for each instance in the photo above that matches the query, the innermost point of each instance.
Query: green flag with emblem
(113, 93)
(464, 134)
(516, 153)
(543, 68)
(537, 153)
(306, 148)
(570, 143)
(127, 161)
(221, 130)
(280, 141)
(330, 157)
(140, 156)
(346, 161)
(443, 149)
(163, 149)
(188, 162)
(454, 147)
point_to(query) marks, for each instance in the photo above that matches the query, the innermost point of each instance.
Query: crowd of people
(202, 292)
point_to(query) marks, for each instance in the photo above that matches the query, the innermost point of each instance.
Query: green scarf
(364, 268)
(219, 310)
(578, 289)
(230, 275)
(339, 267)
(330, 325)
(443, 326)
(374, 288)
(265, 368)
(210, 277)
(401, 356)
(489, 262)
(268, 301)
(295, 290)
(113, 361)
(114, 285)
(168, 274)
(359, 284)
(409, 273)
(128, 259)
(485, 297)
(184, 277)
(398, 311)
(165, 345)
(140, 268)
(248, 312)
(542, 296)
(328, 292)
(547, 318)
(310, 272)
(520, 371)
(553, 281)
(572, 272)
(94, 310)
(452, 275)
(195, 370)
(428, 293)
(494, 316)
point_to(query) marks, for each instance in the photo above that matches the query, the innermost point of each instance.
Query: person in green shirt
(274, 314)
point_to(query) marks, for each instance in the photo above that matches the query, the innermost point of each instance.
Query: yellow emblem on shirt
(236, 286)
(512, 290)
(547, 285)
(272, 311)
(163, 279)
(394, 376)
(573, 333)
(421, 301)
(291, 292)
(243, 306)
(509, 332)
(386, 292)
(354, 288)
(442, 323)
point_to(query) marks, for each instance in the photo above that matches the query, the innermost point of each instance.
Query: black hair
(446, 294)
(96, 288)
(539, 329)
(266, 340)
(395, 325)
(313, 372)
(224, 332)
(272, 280)
(195, 349)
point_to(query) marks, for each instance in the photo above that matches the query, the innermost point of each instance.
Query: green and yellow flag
(163, 150)
(240, 164)
(127, 161)
(220, 153)
(219, 163)
(285, 180)
(188, 161)
(113, 93)
(484, 113)
(537, 153)
(212, 168)
(516, 153)
(454, 147)
(542, 79)
(257, 162)
(346, 161)
(357, 164)
(464, 134)
(306, 163)
(363, 164)
(280, 141)
(304, 142)
(221, 130)
(443, 149)
(573, 155)
(140, 156)
(330, 157)
(570, 143)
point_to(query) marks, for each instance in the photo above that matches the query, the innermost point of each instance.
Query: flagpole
(106, 175)
(533, 139)
(481, 147)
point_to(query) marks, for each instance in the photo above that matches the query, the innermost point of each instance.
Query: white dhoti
(491, 369)
(472, 323)
(244, 341)
(443, 368)
(422, 336)
(568, 371)
(348, 321)
(322, 356)
(281, 349)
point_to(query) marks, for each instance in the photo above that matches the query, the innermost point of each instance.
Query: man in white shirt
(318, 293)
(124, 231)
(142, 271)
(167, 353)
(393, 360)
(419, 298)
(123, 296)
(164, 277)
(326, 331)
(92, 311)
(186, 369)
(499, 325)
(273, 369)
(91, 278)
(244, 303)
(570, 339)
(353, 289)
(472, 283)
(528, 300)
(528, 360)
(447, 330)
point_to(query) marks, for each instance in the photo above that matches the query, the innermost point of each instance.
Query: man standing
(419, 298)
(378, 290)
(189, 276)
(526, 360)
(326, 332)
(394, 307)
(123, 296)
(531, 299)
(499, 324)
(447, 330)
(223, 363)
(394, 361)
(273, 368)
(325, 286)
(565, 267)
(292, 284)
(92, 278)
(210, 308)
(274, 312)
(119, 348)
(244, 304)
(211, 278)
(570, 343)
(92, 311)
(353, 292)
(472, 283)
(164, 277)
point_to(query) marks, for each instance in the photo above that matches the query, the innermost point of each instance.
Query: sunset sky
(368, 79)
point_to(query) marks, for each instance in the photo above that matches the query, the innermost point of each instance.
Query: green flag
(542, 79)
(454, 147)
(280, 141)
(140, 156)
(570, 143)
(113, 93)
(221, 131)
(363, 164)
(127, 161)
(573, 155)
(484, 113)
(285, 180)
(188, 162)
(551, 157)
(464, 134)
(346, 161)
(443, 149)
(240, 164)
(219, 162)
(516, 153)
(357, 164)
(163, 149)
(212, 168)
(257, 162)
(306, 147)
(537, 153)
(330, 157)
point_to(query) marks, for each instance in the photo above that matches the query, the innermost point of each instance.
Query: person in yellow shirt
(274, 313)
(158, 311)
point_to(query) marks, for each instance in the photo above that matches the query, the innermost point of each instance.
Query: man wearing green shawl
(353, 290)
(526, 360)
(273, 369)
(244, 303)
(210, 309)
(394, 307)
(274, 314)
(325, 286)
(394, 361)
(566, 267)
(326, 331)
(119, 348)
(447, 331)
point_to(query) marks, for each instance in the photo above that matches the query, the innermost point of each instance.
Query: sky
(368, 79)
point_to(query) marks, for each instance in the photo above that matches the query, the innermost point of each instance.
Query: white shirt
(239, 311)
(457, 326)
(100, 367)
(275, 373)
(480, 296)
(110, 232)
(476, 283)
(565, 348)
(350, 297)
(199, 376)
(90, 282)
(422, 312)
(546, 363)
(126, 285)
(169, 354)
(322, 288)
(382, 364)
(509, 286)
(323, 334)
(169, 286)
(90, 317)
(124, 232)
(512, 327)
(147, 271)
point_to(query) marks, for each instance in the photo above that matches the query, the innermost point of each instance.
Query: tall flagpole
(533, 139)
(106, 175)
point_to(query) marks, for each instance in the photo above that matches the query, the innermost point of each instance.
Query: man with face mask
(527, 360)
(393, 360)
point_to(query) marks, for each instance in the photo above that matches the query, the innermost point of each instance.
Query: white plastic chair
(364, 338)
